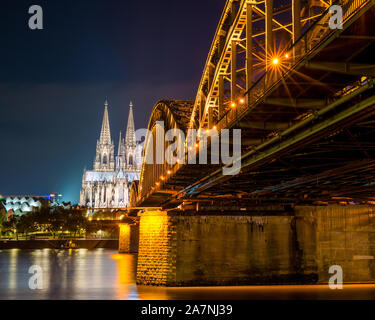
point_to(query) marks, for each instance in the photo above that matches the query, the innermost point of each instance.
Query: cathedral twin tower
(108, 184)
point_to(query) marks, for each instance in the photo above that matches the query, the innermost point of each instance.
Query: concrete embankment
(59, 244)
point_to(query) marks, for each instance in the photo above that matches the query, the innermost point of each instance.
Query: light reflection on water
(68, 274)
(105, 274)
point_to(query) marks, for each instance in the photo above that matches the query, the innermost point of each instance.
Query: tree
(56, 220)
(2, 218)
(75, 220)
(26, 223)
(11, 224)
(42, 218)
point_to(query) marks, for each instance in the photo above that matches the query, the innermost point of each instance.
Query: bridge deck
(309, 136)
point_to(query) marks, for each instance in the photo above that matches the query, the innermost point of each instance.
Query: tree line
(47, 220)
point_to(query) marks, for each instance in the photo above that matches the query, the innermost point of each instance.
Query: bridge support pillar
(195, 249)
(128, 238)
(294, 246)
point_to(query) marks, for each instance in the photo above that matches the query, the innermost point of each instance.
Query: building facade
(108, 184)
(21, 205)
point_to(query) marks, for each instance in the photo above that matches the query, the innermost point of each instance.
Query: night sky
(53, 82)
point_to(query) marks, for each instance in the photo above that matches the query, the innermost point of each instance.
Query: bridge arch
(175, 114)
(133, 193)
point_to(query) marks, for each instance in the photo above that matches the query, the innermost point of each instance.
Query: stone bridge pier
(129, 237)
(293, 246)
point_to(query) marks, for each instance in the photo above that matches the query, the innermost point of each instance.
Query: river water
(105, 274)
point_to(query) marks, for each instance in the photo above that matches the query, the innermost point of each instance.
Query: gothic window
(105, 159)
(121, 198)
(131, 160)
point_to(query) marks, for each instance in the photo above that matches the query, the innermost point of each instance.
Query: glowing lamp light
(214, 127)
(196, 145)
(233, 105)
(287, 55)
(162, 178)
(242, 100)
(169, 171)
(158, 183)
(275, 61)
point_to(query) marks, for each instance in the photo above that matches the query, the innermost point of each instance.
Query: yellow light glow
(286, 55)
(233, 104)
(169, 171)
(242, 100)
(158, 183)
(214, 127)
(275, 61)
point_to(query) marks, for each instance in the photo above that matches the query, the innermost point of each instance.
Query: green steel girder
(276, 145)
(356, 69)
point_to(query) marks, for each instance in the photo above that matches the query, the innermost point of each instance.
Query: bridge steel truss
(251, 37)
(301, 93)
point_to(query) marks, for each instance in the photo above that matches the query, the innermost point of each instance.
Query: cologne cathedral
(108, 184)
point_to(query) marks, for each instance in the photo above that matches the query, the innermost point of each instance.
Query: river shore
(59, 244)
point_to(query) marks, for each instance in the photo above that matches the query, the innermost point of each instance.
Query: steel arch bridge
(302, 95)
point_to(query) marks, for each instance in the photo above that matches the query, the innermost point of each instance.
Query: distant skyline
(54, 82)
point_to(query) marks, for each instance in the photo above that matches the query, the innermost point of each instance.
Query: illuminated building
(107, 185)
(20, 205)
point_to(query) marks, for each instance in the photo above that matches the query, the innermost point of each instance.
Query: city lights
(274, 200)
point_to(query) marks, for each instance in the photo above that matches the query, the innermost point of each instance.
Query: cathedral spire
(105, 133)
(119, 145)
(130, 132)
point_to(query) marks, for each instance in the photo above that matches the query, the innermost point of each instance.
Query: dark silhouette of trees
(46, 219)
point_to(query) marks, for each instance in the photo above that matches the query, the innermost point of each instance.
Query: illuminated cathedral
(108, 184)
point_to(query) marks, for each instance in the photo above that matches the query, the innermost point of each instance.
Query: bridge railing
(308, 42)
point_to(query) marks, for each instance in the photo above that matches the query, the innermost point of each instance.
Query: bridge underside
(308, 154)
(309, 140)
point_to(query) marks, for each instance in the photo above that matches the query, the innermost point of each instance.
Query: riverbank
(58, 244)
